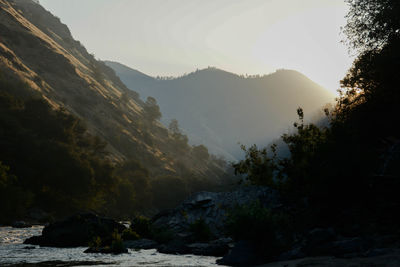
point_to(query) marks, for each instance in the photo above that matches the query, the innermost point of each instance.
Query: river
(13, 253)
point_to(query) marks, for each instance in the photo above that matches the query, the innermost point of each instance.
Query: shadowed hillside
(41, 63)
(220, 109)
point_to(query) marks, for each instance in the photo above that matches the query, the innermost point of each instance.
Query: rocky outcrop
(319, 242)
(77, 231)
(212, 208)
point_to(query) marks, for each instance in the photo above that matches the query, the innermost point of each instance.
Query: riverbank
(390, 259)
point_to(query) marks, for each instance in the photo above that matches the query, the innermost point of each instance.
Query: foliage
(333, 173)
(257, 165)
(372, 23)
(151, 109)
(269, 231)
(162, 235)
(142, 225)
(181, 140)
(117, 244)
(168, 191)
(200, 231)
(129, 234)
(95, 243)
(201, 152)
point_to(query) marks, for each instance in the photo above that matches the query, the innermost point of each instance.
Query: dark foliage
(269, 231)
(335, 174)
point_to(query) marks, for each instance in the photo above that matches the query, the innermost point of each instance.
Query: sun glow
(174, 37)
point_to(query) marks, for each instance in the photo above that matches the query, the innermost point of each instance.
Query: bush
(142, 226)
(129, 234)
(117, 244)
(268, 231)
(161, 234)
(95, 243)
(200, 231)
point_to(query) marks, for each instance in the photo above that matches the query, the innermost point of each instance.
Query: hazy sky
(172, 37)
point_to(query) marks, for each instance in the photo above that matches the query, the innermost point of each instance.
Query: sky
(174, 37)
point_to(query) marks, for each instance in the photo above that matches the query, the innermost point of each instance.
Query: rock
(176, 246)
(294, 253)
(242, 254)
(348, 247)
(141, 244)
(77, 231)
(378, 252)
(217, 248)
(320, 236)
(106, 250)
(21, 224)
(212, 208)
(39, 215)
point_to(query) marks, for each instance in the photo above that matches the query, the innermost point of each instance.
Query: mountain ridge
(214, 105)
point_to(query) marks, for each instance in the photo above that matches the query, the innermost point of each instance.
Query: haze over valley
(120, 147)
(221, 109)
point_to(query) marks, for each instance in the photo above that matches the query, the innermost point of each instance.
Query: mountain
(220, 109)
(37, 49)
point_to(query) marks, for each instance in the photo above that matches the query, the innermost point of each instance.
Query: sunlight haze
(170, 38)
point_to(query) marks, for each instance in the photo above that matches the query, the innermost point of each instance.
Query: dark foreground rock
(217, 248)
(76, 231)
(389, 259)
(242, 254)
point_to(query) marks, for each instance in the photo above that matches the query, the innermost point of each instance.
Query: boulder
(216, 248)
(76, 231)
(242, 254)
(176, 246)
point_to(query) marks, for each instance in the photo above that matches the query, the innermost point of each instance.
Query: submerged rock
(106, 250)
(76, 231)
(21, 224)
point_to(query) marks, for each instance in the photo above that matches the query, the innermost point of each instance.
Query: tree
(372, 23)
(151, 109)
(181, 139)
(201, 152)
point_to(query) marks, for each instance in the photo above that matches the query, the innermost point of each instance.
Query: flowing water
(14, 252)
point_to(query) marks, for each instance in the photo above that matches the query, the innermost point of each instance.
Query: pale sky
(173, 37)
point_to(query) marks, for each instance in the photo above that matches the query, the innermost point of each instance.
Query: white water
(13, 251)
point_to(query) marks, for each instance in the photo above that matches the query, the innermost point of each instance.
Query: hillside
(220, 109)
(40, 60)
(37, 48)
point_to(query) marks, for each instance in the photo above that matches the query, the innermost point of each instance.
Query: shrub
(161, 234)
(200, 231)
(117, 244)
(95, 243)
(267, 230)
(141, 225)
(129, 234)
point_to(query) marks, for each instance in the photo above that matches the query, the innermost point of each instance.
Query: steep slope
(220, 109)
(38, 49)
